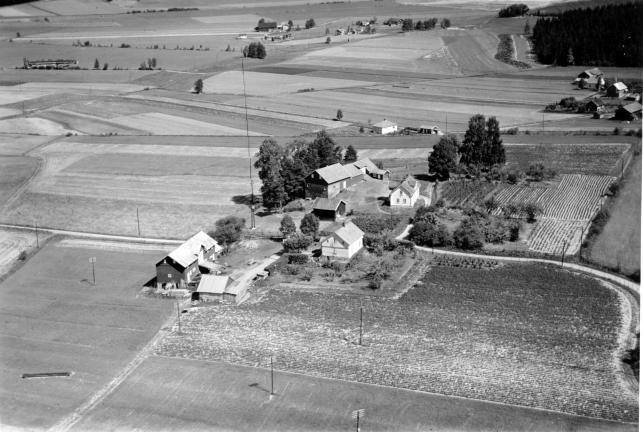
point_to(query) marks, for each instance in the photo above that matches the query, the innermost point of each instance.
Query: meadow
(69, 324)
(518, 340)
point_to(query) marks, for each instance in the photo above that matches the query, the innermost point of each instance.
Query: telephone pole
(252, 189)
(138, 223)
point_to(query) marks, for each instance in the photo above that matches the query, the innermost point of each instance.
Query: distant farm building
(595, 105)
(367, 166)
(215, 288)
(629, 112)
(50, 64)
(283, 27)
(385, 127)
(330, 180)
(183, 265)
(405, 194)
(590, 73)
(429, 130)
(343, 242)
(617, 90)
(325, 208)
(266, 26)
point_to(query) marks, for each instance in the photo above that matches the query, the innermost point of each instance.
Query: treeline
(426, 24)
(254, 50)
(514, 10)
(283, 169)
(603, 36)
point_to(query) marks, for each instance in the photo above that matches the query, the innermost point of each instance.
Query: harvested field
(12, 243)
(545, 328)
(32, 126)
(68, 324)
(619, 244)
(14, 171)
(129, 145)
(16, 145)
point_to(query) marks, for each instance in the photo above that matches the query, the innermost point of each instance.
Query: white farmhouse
(344, 242)
(405, 194)
(385, 127)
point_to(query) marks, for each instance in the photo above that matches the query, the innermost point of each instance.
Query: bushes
(425, 233)
(297, 258)
(468, 235)
(297, 242)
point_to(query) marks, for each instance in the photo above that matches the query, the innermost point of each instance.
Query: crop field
(17, 145)
(68, 324)
(577, 197)
(32, 125)
(555, 236)
(515, 194)
(523, 338)
(14, 171)
(12, 243)
(617, 247)
(464, 193)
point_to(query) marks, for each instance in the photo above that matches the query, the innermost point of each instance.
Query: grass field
(202, 395)
(54, 319)
(14, 171)
(617, 247)
(517, 340)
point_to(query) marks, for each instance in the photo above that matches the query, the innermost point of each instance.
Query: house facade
(405, 194)
(343, 243)
(183, 265)
(385, 127)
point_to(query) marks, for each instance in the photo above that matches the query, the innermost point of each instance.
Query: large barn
(330, 180)
(183, 265)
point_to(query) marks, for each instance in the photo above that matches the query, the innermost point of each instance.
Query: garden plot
(164, 124)
(525, 332)
(577, 197)
(555, 236)
(268, 84)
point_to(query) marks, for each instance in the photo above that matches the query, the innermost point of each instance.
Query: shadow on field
(243, 199)
(258, 386)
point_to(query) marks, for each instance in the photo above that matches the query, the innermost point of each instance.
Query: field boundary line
(397, 389)
(69, 421)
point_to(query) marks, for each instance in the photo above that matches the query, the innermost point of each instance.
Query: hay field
(14, 171)
(202, 395)
(163, 124)
(16, 145)
(33, 125)
(68, 324)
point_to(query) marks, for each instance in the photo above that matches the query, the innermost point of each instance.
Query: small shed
(344, 242)
(595, 105)
(368, 167)
(629, 112)
(385, 127)
(617, 90)
(429, 130)
(325, 208)
(216, 288)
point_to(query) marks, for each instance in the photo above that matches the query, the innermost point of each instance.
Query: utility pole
(272, 378)
(562, 256)
(446, 123)
(543, 122)
(357, 415)
(35, 224)
(252, 189)
(178, 314)
(92, 260)
(361, 321)
(138, 223)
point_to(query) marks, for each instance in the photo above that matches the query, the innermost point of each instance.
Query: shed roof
(365, 163)
(632, 108)
(349, 232)
(333, 173)
(385, 124)
(214, 284)
(327, 204)
(188, 252)
(619, 86)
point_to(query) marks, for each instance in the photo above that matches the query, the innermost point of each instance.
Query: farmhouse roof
(632, 108)
(593, 71)
(352, 170)
(333, 173)
(619, 86)
(384, 124)
(596, 101)
(432, 127)
(266, 25)
(409, 186)
(214, 284)
(365, 163)
(327, 204)
(188, 252)
(349, 233)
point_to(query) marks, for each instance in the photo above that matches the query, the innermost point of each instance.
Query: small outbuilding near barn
(405, 194)
(385, 127)
(218, 288)
(617, 90)
(183, 265)
(629, 112)
(429, 130)
(343, 242)
(325, 208)
(595, 105)
(590, 73)
(367, 167)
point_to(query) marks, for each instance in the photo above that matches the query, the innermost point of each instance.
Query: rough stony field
(518, 342)
(68, 324)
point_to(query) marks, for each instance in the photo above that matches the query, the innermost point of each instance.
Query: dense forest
(602, 36)
(514, 10)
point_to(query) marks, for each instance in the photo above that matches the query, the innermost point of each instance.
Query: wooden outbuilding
(369, 168)
(343, 242)
(325, 208)
(184, 264)
(617, 90)
(629, 112)
(385, 127)
(216, 288)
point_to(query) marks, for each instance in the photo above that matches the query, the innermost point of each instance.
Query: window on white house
(398, 200)
(404, 201)
(169, 275)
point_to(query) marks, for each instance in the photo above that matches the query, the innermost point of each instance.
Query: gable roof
(385, 124)
(365, 163)
(267, 25)
(349, 233)
(633, 108)
(214, 284)
(333, 173)
(596, 101)
(409, 186)
(352, 170)
(619, 86)
(593, 71)
(188, 252)
(327, 204)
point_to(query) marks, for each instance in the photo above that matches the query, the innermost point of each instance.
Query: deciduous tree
(327, 151)
(350, 155)
(443, 158)
(287, 226)
(228, 230)
(198, 86)
(309, 225)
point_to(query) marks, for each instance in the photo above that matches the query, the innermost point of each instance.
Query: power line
(252, 190)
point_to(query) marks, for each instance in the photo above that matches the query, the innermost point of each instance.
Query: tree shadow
(424, 177)
(243, 199)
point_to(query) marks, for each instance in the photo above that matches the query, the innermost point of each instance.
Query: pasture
(204, 395)
(524, 331)
(69, 324)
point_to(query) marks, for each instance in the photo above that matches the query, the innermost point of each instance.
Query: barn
(219, 288)
(405, 194)
(367, 167)
(595, 105)
(183, 265)
(617, 90)
(330, 180)
(343, 242)
(629, 112)
(266, 26)
(385, 127)
(325, 208)
(590, 73)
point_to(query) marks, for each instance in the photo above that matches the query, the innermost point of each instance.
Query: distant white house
(385, 127)
(405, 194)
(344, 242)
